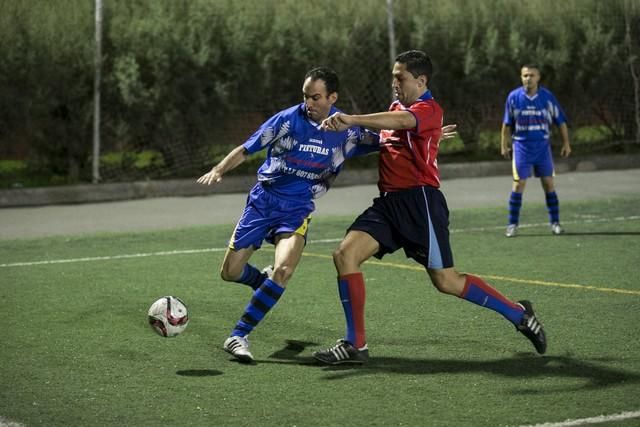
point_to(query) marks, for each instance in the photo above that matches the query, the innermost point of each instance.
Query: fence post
(392, 38)
(96, 93)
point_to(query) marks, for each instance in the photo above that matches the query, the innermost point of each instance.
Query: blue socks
(252, 277)
(480, 292)
(263, 300)
(515, 203)
(553, 207)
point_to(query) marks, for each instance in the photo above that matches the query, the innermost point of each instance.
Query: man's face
(317, 100)
(530, 78)
(407, 88)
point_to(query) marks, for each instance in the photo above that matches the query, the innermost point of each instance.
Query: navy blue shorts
(266, 215)
(416, 220)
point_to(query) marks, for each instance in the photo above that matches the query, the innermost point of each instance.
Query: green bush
(175, 72)
(10, 168)
(134, 165)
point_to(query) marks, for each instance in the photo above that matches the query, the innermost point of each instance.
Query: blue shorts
(532, 155)
(416, 220)
(267, 215)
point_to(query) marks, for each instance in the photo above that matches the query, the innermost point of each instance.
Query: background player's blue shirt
(530, 117)
(303, 160)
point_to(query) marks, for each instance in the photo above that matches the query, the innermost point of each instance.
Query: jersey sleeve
(270, 131)
(427, 116)
(508, 112)
(557, 114)
(366, 142)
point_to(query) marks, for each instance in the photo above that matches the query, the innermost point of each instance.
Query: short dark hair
(530, 65)
(327, 75)
(417, 62)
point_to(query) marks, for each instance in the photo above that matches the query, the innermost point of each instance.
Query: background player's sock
(480, 292)
(553, 207)
(352, 294)
(515, 203)
(251, 276)
(263, 300)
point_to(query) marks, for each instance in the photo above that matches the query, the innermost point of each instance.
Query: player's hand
(506, 152)
(336, 122)
(565, 151)
(211, 177)
(449, 131)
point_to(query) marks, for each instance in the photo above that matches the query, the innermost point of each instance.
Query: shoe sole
(513, 233)
(240, 357)
(340, 362)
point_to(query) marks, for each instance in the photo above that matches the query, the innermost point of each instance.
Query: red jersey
(408, 157)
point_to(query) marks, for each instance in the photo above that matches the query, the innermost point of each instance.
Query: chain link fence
(183, 82)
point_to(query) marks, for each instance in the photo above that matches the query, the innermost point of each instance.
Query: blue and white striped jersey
(531, 117)
(303, 160)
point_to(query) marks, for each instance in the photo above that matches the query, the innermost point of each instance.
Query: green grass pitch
(77, 349)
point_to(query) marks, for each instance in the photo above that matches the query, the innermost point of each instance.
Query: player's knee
(445, 288)
(447, 284)
(228, 275)
(282, 274)
(342, 258)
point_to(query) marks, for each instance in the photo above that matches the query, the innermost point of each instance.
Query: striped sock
(251, 276)
(515, 203)
(263, 300)
(553, 207)
(480, 292)
(352, 294)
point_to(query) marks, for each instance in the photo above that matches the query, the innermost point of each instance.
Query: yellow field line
(502, 278)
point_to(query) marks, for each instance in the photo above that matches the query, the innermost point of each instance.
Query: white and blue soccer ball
(168, 316)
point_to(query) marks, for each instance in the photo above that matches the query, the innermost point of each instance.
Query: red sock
(480, 292)
(352, 294)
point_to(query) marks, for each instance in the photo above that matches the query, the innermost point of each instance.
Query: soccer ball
(168, 316)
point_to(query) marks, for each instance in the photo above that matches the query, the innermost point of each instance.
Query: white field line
(112, 257)
(334, 240)
(582, 221)
(6, 423)
(592, 420)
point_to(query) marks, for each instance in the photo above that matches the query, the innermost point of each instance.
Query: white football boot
(512, 230)
(238, 347)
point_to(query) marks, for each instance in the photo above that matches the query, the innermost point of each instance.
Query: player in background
(302, 162)
(411, 213)
(529, 112)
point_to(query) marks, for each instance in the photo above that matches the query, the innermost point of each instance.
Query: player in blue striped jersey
(302, 163)
(530, 111)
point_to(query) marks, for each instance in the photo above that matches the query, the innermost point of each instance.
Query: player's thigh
(355, 248)
(520, 168)
(234, 262)
(543, 166)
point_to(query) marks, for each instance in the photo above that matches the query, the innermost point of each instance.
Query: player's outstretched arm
(230, 162)
(383, 120)
(336, 122)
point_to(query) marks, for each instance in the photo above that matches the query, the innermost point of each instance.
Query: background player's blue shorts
(416, 220)
(267, 215)
(532, 155)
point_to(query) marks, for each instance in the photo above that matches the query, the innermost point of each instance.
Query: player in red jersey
(411, 213)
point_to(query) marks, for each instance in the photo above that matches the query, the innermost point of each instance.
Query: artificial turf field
(77, 351)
